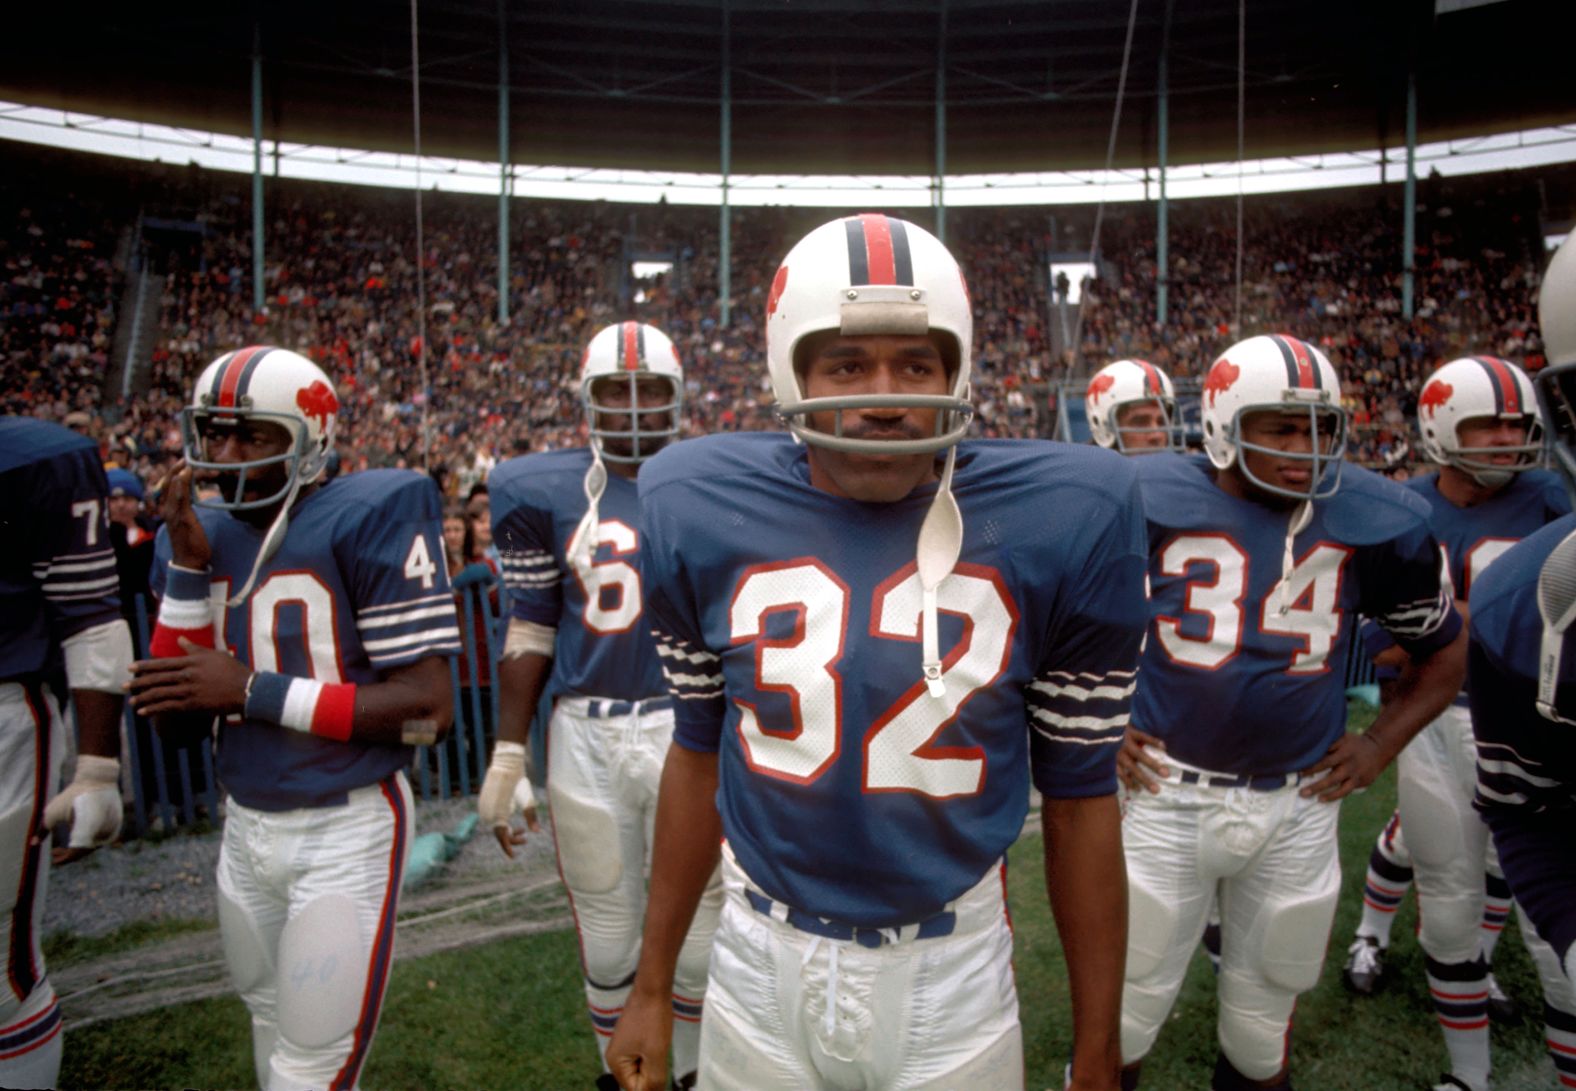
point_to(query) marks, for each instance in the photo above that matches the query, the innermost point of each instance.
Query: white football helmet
(1282, 374)
(631, 350)
(263, 383)
(1473, 387)
(1127, 382)
(1556, 382)
(869, 274)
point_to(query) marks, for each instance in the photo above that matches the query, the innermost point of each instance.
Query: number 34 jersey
(788, 622)
(357, 588)
(603, 645)
(1242, 672)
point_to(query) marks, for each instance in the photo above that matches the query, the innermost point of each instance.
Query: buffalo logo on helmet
(779, 282)
(317, 401)
(1435, 394)
(1099, 385)
(1220, 378)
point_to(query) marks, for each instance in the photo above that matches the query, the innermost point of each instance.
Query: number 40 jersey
(788, 622)
(357, 588)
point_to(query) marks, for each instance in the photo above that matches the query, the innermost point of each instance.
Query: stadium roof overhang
(817, 86)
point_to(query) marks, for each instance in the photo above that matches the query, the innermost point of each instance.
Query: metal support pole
(941, 126)
(725, 255)
(1409, 227)
(257, 167)
(1162, 228)
(503, 163)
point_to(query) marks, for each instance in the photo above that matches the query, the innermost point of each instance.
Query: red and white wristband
(185, 611)
(326, 709)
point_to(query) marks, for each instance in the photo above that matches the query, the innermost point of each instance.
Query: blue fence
(174, 786)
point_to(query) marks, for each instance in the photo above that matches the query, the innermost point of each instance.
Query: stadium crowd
(342, 287)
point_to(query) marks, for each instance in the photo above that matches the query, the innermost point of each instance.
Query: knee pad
(1252, 1026)
(323, 968)
(249, 959)
(1432, 820)
(1448, 927)
(1296, 933)
(588, 844)
(1151, 929)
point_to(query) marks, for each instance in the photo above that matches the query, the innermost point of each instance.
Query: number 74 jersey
(788, 622)
(1242, 671)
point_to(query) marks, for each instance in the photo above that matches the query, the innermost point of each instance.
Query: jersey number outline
(613, 575)
(319, 629)
(1312, 600)
(899, 755)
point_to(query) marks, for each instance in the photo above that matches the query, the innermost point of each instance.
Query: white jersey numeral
(1220, 599)
(1313, 613)
(88, 510)
(316, 602)
(1482, 554)
(611, 588)
(419, 564)
(1312, 598)
(899, 755)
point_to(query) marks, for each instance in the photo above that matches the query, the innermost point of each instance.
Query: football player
(314, 621)
(568, 526)
(876, 635)
(1522, 682)
(1478, 418)
(1259, 551)
(1132, 408)
(58, 601)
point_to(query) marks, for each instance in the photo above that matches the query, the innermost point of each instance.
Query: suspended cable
(1242, 67)
(1110, 157)
(421, 245)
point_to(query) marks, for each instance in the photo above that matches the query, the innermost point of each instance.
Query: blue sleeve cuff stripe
(187, 583)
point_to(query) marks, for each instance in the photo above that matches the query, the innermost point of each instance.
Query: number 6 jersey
(357, 588)
(603, 644)
(1242, 673)
(787, 621)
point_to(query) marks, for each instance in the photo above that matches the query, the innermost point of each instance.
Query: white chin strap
(940, 542)
(1299, 523)
(1557, 607)
(271, 542)
(583, 544)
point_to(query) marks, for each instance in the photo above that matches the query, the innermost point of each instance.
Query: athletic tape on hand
(91, 802)
(495, 805)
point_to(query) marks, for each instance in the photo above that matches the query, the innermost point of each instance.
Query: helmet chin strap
(584, 543)
(1299, 523)
(271, 541)
(940, 542)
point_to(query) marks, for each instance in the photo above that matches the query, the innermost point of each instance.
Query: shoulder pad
(1370, 508)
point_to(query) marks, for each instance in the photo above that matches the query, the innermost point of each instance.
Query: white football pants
(307, 901)
(604, 765)
(791, 1011)
(1274, 857)
(32, 741)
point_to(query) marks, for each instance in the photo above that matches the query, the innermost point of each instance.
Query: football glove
(91, 803)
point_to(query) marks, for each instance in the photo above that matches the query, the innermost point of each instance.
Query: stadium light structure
(217, 151)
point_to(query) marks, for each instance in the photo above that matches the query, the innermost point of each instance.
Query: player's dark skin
(213, 682)
(522, 678)
(1354, 761)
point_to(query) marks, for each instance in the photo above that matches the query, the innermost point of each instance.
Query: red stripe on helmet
(1509, 392)
(1151, 378)
(878, 248)
(631, 346)
(231, 378)
(1306, 378)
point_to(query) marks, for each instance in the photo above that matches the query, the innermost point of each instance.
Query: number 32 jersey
(1241, 674)
(603, 644)
(788, 622)
(357, 588)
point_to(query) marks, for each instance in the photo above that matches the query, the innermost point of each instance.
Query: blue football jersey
(1473, 537)
(1526, 763)
(788, 622)
(603, 646)
(358, 588)
(1242, 675)
(57, 566)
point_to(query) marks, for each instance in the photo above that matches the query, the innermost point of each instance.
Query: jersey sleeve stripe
(449, 634)
(1085, 693)
(383, 621)
(75, 562)
(60, 588)
(405, 604)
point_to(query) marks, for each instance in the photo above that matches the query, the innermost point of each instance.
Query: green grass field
(511, 1014)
